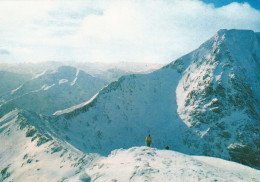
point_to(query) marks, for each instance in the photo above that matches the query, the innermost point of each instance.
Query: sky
(156, 31)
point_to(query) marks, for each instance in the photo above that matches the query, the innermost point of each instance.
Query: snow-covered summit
(150, 164)
(203, 103)
(240, 43)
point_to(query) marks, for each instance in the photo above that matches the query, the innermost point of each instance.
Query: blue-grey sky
(114, 31)
(218, 3)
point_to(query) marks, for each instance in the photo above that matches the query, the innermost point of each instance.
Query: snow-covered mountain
(52, 90)
(206, 103)
(30, 153)
(105, 71)
(41, 156)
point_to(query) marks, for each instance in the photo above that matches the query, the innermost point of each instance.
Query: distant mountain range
(106, 71)
(52, 90)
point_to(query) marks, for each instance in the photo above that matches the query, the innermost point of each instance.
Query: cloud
(110, 31)
(120, 21)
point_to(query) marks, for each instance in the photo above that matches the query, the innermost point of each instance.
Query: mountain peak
(236, 35)
(235, 31)
(240, 43)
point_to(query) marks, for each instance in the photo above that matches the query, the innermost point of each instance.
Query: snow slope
(150, 164)
(204, 103)
(53, 90)
(219, 95)
(30, 152)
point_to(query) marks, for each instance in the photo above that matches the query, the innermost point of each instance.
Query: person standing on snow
(148, 140)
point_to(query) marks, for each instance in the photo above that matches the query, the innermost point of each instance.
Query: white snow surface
(29, 158)
(75, 107)
(40, 74)
(47, 87)
(150, 164)
(63, 81)
(76, 77)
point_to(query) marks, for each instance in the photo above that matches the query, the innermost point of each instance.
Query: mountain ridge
(204, 103)
(52, 90)
(217, 86)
